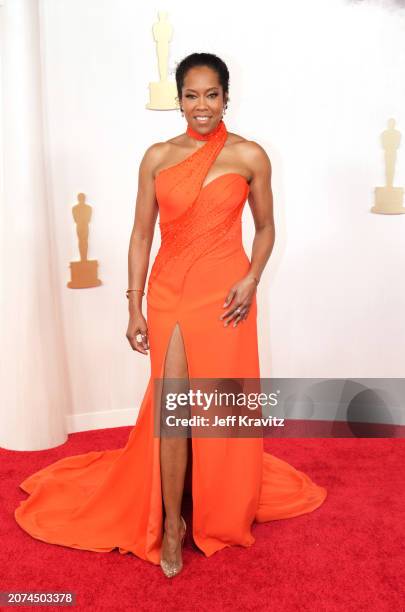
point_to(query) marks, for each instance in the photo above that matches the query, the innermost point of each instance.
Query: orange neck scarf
(209, 135)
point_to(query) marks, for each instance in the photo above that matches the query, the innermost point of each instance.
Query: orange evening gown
(109, 499)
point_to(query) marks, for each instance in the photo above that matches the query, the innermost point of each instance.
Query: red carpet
(346, 555)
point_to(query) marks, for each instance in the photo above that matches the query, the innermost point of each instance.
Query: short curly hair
(202, 59)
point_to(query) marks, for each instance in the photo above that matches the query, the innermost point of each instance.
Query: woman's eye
(209, 95)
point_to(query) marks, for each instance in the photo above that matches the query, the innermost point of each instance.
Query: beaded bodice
(196, 219)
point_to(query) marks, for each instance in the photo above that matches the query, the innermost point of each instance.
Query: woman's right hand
(137, 333)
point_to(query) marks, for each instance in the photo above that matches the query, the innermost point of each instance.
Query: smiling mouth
(202, 118)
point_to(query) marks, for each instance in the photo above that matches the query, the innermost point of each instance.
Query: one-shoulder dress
(102, 500)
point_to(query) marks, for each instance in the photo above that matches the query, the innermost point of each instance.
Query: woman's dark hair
(202, 59)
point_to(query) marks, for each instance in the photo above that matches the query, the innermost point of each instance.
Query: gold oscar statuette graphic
(84, 272)
(389, 199)
(162, 95)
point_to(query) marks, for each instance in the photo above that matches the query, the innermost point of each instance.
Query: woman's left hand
(240, 298)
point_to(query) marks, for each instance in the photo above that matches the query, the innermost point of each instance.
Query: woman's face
(202, 99)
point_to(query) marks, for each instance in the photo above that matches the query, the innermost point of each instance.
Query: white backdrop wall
(314, 83)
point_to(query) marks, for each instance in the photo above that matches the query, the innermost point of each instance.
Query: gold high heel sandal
(170, 568)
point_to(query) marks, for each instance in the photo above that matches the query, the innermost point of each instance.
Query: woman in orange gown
(117, 498)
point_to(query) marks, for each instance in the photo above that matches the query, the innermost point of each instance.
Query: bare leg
(173, 451)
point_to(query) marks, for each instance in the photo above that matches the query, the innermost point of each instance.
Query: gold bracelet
(128, 290)
(254, 278)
